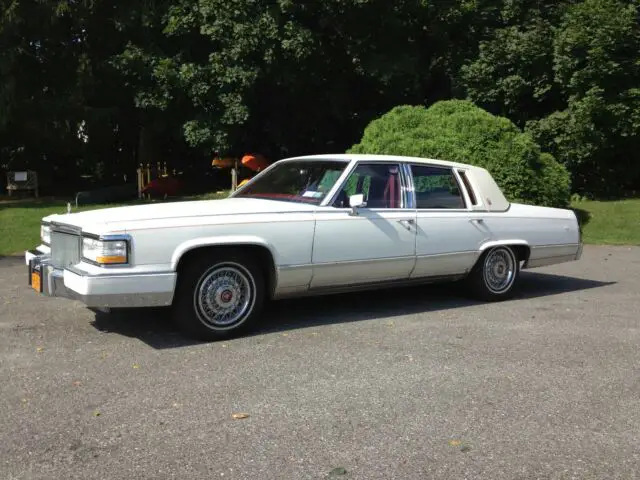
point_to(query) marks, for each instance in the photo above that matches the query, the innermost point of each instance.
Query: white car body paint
(314, 249)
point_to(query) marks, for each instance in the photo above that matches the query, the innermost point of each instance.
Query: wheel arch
(257, 248)
(521, 248)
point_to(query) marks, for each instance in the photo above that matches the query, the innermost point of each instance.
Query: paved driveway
(415, 383)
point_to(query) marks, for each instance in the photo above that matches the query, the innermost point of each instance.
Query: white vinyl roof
(383, 158)
(487, 192)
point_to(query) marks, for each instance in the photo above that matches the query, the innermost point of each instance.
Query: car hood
(169, 210)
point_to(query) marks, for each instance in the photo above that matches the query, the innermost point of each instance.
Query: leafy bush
(459, 131)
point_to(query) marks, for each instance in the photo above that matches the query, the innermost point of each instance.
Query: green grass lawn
(20, 222)
(612, 222)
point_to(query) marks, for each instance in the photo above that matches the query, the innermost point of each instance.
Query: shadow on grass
(62, 205)
(154, 327)
(37, 203)
(47, 203)
(583, 216)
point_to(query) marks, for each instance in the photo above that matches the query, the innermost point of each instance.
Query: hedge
(459, 131)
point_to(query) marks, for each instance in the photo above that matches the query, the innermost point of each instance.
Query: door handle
(477, 220)
(407, 223)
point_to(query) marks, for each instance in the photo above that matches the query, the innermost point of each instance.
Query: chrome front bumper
(99, 291)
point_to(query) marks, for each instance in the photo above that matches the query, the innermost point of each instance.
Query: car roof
(382, 158)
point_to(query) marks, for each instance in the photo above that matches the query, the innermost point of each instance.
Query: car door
(375, 244)
(449, 234)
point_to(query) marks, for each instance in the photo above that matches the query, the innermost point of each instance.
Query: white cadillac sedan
(304, 226)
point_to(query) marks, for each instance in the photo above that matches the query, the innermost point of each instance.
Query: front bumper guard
(156, 290)
(51, 279)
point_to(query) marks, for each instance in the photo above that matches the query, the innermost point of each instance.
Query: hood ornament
(68, 207)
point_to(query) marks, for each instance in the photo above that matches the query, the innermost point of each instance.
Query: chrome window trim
(410, 190)
(458, 181)
(443, 210)
(479, 206)
(332, 194)
(342, 181)
(347, 162)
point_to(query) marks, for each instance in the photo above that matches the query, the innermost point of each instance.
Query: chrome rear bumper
(542, 256)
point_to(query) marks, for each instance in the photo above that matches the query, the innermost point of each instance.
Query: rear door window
(436, 188)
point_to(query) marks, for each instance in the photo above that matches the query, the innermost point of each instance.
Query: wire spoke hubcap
(224, 296)
(499, 270)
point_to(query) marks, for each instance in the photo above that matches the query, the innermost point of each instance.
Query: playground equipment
(148, 177)
(253, 162)
(155, 180)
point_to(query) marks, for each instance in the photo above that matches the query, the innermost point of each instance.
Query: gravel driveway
(409, 384)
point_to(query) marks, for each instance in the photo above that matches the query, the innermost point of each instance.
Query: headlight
(45, 233)
(105, 252)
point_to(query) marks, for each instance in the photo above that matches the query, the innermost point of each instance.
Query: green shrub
(459, 131)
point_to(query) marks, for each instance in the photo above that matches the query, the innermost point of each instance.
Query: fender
(230, 240)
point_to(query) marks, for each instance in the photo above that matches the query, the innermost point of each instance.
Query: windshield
(306, 181)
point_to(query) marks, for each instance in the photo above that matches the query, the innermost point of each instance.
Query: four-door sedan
(304, 226)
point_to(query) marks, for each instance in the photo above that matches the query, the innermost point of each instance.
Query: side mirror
(355, 202)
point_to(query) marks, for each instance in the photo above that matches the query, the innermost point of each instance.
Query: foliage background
(459, 131)
(95, 87)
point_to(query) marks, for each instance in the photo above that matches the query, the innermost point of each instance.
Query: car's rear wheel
(219, 294)
(494, 275)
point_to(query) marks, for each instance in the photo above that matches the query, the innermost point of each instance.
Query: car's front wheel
(219, 295)
(494, 275)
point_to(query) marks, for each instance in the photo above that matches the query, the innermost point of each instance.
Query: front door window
(378, 182)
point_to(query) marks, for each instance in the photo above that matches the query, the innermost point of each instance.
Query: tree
(568, 73)
(40, 107)
(597, 65)
(512, 74)
(294, 77)
(457, 130)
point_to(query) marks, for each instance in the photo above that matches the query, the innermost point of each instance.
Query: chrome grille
(65, 249)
